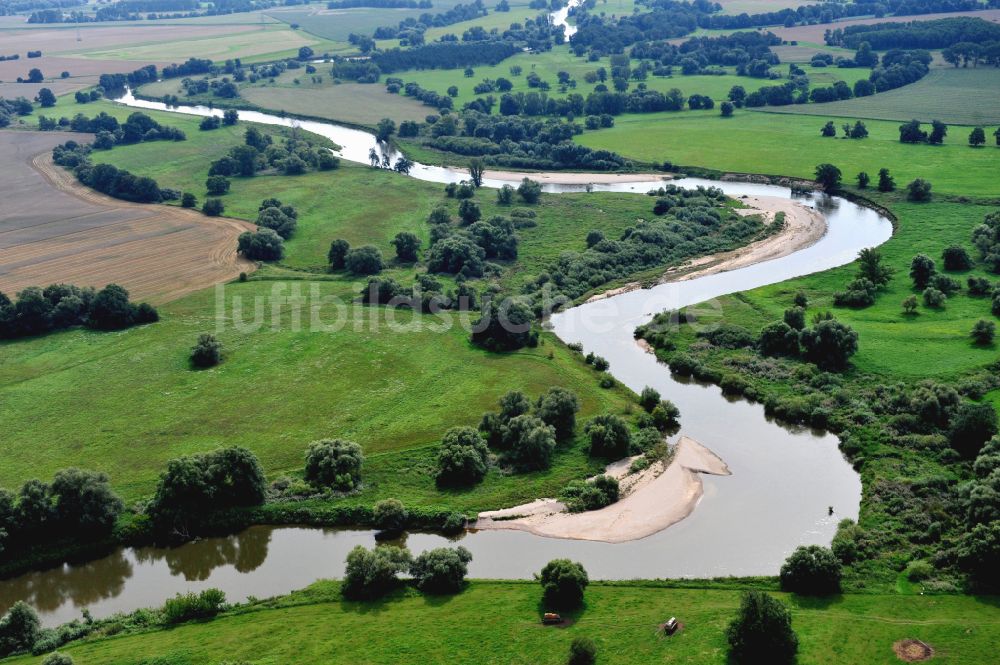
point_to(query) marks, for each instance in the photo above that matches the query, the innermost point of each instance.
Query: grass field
(338, 24)
(753, 142)
(497, 623)
(954, 96)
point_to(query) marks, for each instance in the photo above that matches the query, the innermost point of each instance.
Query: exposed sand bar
(568, 178)
(653, 499)
(804, 226)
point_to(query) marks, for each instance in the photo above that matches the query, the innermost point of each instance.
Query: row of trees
(106, 178)
(59, 306)
(137, 128)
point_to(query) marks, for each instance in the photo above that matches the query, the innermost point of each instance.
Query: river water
(784, 480)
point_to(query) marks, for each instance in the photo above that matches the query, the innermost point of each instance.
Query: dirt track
(52, 229)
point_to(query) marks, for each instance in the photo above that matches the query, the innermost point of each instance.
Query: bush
(56, 658)
(389, 515)
(334, 464)
(365, 260)
(190, 606)
(530, 443)
(558, 408)
(762, 631)
(213, 207)
(217, 185)
(649, 398)
(922, 269)
(563, 583)
(278, 220)
(918, 571)
(934, 298)
(207, 352)
(529, 190)
(778, 339)
(406, 245)
(188, 200)
(463, 458)
(971, 427)
(918, 190)
(441, 570)
(582, 650)
(979, 286)
(503, 327)
(260, 245)
(609, 436)
(829, 344)
(956, 258)
(811, 570)
(666, 415)
(372, 573)
(337, 255)
(505, 195)
(591, 495)
(983, 332)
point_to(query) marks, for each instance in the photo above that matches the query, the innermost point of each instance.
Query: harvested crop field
(55, 230)
(931, 98)
(83, 73)
(356, 103)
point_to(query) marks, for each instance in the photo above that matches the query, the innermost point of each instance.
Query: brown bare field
(83, 73)
(814, 33)
(92, 37)
(53, 229)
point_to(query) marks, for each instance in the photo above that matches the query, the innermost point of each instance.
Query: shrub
(811, 570)
(918, 571)
(582, 650)
(56, 658)
(441, 570)
(504, 327)
(649, 398)
(529, 190)
(185, 607)
(260, 245)
(469, 212)
(609, 436)
(983, 332)
(335, 464)
(947, 285)
(278, 220)
(372, 573)
(795, 317)
(778, 339)
(601, 364)
(934, 298)
(922, 269)
(337, 255)
(365, 260)
(530, 443)
(213, 207)
(389, 515)
(207, 352)
(978, 286)
(829, 344)
(762, 631)
(505, 195)
(591, 495)
(666, 415)
(217, 185)
(918, 190)
(956, 258)
(19, 628)
(406, 245)
(563, 584)
(188, 200)
(971, 427)
(463, 458)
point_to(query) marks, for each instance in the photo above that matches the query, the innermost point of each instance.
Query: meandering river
(784, 479)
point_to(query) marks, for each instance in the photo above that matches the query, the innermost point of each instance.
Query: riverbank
(802, 227)
(653, 499)
(575, 178)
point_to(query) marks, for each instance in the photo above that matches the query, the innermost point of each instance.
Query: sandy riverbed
(577, 178)
(652, 500)
(804, 226)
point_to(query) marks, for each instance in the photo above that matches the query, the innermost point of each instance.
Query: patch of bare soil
(53, 229)
(912, 651)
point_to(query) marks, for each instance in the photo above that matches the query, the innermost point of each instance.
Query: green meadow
(498, 623)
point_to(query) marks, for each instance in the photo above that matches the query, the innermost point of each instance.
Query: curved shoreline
(654, 499)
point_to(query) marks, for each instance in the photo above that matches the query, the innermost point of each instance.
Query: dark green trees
(463, 458)
(337, 255)
(922, 269)
(260, 245)
(372, 573)
(829, 344)
(19, 629)
(504, 326)
(207, 352)
(441, 570)
(828, 176)
(558, 408)
(406, 245)
(762, 631)
(334, 464)
(918, 190)
(811, 570)
(563, 584)
(366, 260)
(609, 436)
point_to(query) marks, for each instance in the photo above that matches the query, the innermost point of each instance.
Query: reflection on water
(196, 561)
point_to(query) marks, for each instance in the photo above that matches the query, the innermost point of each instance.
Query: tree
(372, 573)
(922, 269)
(110, 309)
(863, 180)
(402, 165)
(463, 458)
(582, 651)
(35, 75)
(726, 109)
(910, 305)
(978, 552)
(19, 628)
(778, 339)
(469, 211)
(503, 326)
(83, 503)
(389, 515)
(828, 176)
(563, 584)
(384, 129)
(406, 244)
(207, 352)
(188, 200)
(366, 260)
(871, 267)
(529, 190)
(829, 344)
(46, 98)
(938, 131)
(452, 91)
(441, 570)
(956, 258)
(649, 398)
(558, 407)
(934, 297)
(910, 132)
(971, 427)
(505, 195)
(230, 117)
(762, 631)
(213, 207)
(829, 129)
(337, 255)
(811, 570)
(918, 190)
(856, 131)
(334, 464)
(217, 185)
(996, 135)
(609, 436)
(977, 137)
(476, 171)
(983, 332)
(278, 220)
(886, 183)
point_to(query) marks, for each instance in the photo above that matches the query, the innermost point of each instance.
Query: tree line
(37, 311)
(936, 34)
